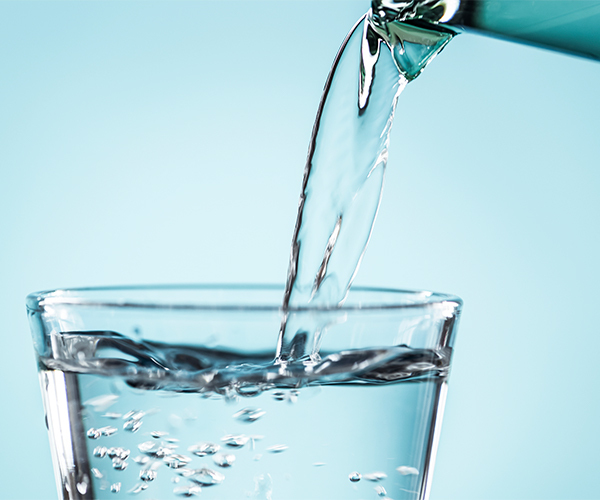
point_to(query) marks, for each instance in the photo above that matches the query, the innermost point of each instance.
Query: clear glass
(173, 391)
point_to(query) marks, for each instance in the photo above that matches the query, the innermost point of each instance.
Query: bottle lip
(230, 297)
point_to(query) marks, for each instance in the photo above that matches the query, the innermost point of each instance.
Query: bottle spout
(571, 26)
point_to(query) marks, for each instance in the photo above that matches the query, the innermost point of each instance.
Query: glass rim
(73, 297)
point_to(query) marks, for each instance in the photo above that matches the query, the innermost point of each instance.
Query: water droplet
(108, 430)
(138, 488)
(175, 479)
(249, 415)
(132, 425)
(101, 403)
(82, 487)
(93, 433)
(141, 460)
(172, 440)
(148, 475)
(206, 477)
(115, 487)
(224, 459)
(407, 471)
(375, 476)
(354, 477)
(319, 464)
(277, 448)
(121, 453)
(380, 490)
(97, 474)
(100, 451)
(235, 441)
(158, 434)
(119, 464)
(187, 491)
(177, 461)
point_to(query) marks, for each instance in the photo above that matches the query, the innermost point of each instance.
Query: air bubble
(134, 415)
(177, 461)
(93, 433)
(158, 434)
(187, 491)
(375, 476)
(108, 430)
(249, 415)
(147, 447)
(148, 475)
(203, 449)
(319, 464)
(380, 490)
(407, 471)
(141, 460)
(206, 477)
(185, 472)
(354, 477)
(101, 403)
(154, 450)
(278, 395)
(224, 459)
(119, 464)
(115, 487)
(257, 457)
(138, 488)
(121, 453)
(97, 474)
(112, 415)
(100, 451)
(82, 487)
(235, 441)
(278, 448)
(132, 425)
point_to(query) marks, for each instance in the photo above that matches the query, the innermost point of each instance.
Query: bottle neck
(571, 26)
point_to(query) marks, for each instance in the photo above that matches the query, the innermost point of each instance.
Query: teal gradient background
(164, 142)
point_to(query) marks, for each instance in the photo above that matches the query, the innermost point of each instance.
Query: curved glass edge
(84, 297)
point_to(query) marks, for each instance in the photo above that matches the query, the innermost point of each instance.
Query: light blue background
(164, 142)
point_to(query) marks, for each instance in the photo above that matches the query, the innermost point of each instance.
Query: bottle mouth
(246, 297)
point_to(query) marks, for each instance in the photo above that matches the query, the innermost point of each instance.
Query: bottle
(571, 26)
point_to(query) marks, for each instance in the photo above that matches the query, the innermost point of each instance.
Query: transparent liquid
(343, 178)
(358, 424)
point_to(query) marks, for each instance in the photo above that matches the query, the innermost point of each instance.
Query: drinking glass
(177, 391)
